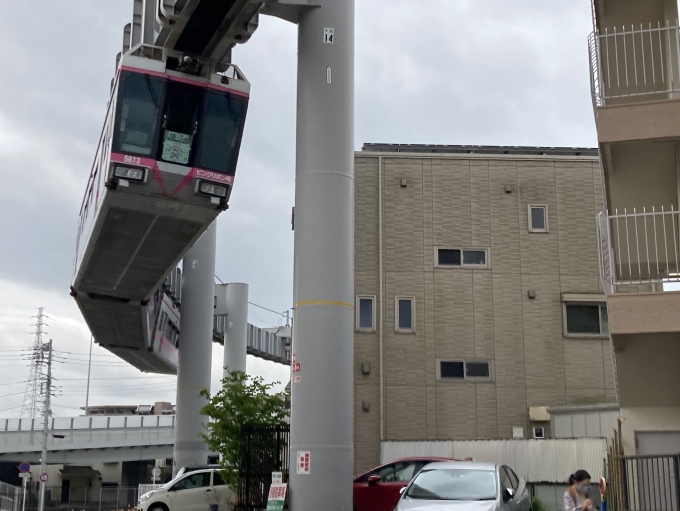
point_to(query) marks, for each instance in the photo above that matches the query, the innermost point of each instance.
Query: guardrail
(632, 61)
(89, 422)
(638, 248)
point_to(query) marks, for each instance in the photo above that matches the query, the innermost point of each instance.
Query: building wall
(641, 419)
(461, 202)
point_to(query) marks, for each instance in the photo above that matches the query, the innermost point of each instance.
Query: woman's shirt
(568, 503)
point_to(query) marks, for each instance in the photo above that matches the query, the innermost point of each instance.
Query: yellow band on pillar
(325, 302)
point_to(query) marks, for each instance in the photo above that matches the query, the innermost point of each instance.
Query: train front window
(221, 130)
(180, 122)
(138, 114)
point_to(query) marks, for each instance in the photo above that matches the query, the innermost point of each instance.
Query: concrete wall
(452, 201)
(647, 419)
(644, 313)
(648, 372)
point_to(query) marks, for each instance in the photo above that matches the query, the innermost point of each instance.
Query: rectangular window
(538, 218)
(448, 257)
(365, 311)
(584, 319)
(469, 370)
(453, 370)
(462, 257)
(405, 314)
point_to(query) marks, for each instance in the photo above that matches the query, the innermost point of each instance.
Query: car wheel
(158, 507)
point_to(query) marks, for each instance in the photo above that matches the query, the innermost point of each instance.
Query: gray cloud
(434, 71)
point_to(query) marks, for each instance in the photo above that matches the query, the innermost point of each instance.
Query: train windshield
(141, 96)
(179, 123)
(222, 125)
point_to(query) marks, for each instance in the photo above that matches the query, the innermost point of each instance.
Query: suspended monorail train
(163, 171)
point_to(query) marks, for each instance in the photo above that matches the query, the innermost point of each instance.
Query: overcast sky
(494, 72)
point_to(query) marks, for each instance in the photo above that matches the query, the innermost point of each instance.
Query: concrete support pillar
(195, 349)
(236, 330)
(322, 399)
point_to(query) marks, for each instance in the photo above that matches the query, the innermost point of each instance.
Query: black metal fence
(264, 449)
(648, 483)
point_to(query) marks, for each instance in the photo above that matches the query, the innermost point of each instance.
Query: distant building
(158, 408)
(478, 299)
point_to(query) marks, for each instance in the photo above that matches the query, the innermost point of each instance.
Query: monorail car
(163, 171)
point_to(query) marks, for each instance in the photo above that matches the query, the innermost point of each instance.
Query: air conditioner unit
(539, 432)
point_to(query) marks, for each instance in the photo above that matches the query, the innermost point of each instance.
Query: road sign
(43, 477)
(156, 472)
(277, 478)
(277, 497)
(25, 475)
(160, 462)
(24, 467)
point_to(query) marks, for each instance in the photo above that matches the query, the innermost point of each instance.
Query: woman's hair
(578, 476)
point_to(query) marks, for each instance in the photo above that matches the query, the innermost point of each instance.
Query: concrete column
(322, 400)
(148, 22)
(236, 330)
(195, 349)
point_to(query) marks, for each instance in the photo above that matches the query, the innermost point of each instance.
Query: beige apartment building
(634, 57)
(478, 298)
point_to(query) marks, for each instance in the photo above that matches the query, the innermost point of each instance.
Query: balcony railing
(630, 62)
(639, 248)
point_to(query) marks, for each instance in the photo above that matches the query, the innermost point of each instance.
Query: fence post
(676, 480)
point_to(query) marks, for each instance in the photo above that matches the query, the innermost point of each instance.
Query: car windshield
(453, 484)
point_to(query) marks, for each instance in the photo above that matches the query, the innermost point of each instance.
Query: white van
(191, 491)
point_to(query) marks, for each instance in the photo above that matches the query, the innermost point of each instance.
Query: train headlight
(133, 174)
(212, 189)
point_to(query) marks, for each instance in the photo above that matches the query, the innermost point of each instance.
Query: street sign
(43, 477)
(277, 497)
(156, 472)
(24, 467)
(25, 475)
(160, 463)
(277, 478)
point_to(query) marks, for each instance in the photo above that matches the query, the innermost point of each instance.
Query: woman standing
(576, 497)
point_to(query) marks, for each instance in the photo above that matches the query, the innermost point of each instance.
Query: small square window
(452, 369)
(448, 257)
(538, 218)
(583, 319)
(365, 308)
(405, 321)
(477, 370)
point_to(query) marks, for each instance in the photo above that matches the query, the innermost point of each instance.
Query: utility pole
(46, 417)
(29, 407)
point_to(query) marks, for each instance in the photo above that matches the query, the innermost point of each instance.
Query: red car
(378, 489)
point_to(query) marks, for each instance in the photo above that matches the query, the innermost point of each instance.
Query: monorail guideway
(163, 171)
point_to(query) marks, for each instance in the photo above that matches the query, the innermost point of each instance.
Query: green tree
(242, 400)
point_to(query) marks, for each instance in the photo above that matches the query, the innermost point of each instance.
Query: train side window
(180, 122)
(138, 114)
(220, 132)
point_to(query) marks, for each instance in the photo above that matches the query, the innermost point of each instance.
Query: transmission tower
(31, 401)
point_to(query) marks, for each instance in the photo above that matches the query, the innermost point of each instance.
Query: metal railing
(632, 61)
(639, 248)
(648, 483)
(10, 497)
(89, 422)
(82, 499)
(146, 488)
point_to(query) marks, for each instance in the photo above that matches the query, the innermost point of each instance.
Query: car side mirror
(373, 479)
(508, 494)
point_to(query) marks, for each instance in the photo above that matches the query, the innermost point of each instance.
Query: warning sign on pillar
(296, 367)
(295, 379)
(303, 462)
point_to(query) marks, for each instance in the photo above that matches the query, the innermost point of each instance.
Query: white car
(191, 491)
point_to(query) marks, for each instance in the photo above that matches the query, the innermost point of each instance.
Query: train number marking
(135, 160)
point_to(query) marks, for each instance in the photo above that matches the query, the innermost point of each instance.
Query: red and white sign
(43, 477)
(296, 367)
(294, 358)
(303, 462)
(277, 491)
(295, 379)
(214, 176)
